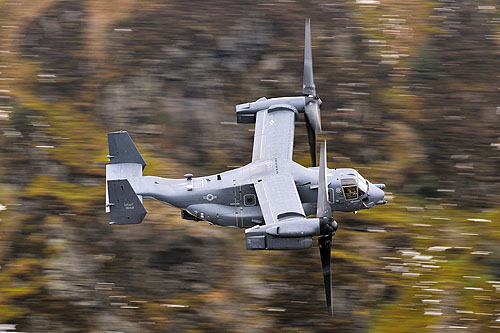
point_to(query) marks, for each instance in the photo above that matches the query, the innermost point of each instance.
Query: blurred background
(411, 98)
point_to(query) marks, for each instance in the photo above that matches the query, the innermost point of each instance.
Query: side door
(238, 204)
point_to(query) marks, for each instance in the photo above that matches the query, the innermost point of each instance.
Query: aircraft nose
(376, 195)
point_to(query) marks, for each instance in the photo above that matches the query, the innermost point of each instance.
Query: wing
(278, 198)
(274, 130)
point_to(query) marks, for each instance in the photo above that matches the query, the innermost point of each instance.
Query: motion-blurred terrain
(411, 99)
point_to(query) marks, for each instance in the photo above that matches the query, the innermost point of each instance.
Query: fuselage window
(250, 199)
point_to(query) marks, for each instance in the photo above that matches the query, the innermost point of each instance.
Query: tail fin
(125, 206)
(126, 162)
(123, 150)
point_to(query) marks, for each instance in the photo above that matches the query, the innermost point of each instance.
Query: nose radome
(376, 195)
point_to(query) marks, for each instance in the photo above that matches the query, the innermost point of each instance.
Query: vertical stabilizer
(123, 150)
(126, 162)
(125, 206)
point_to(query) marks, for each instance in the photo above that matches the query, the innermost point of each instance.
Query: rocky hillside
(410, 96)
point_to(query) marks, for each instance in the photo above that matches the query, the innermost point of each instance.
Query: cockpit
(353, 184)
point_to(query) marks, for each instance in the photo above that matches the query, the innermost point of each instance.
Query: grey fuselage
(229, 198)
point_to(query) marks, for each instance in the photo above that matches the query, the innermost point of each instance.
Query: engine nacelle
(246, 112)
(294, 227)
(267, 242)
(291, 234)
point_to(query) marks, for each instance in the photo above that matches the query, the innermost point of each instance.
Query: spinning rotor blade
(324, 210)
(328, 227)
(311, 136)
(325, 248)
(308, 87)
(312, 113)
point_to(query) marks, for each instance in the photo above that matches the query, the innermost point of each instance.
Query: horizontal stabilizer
(125, 206)
(123, 150)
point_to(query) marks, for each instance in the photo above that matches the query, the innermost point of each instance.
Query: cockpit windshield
(363, 184)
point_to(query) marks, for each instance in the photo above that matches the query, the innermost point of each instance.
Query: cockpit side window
(350, 188)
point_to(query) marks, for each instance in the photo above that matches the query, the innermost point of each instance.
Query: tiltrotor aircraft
(273, 197)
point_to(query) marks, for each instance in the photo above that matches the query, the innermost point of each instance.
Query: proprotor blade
(324, 210)
(313, 113)
(308, 87)
(325, 247)
(311, 136)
